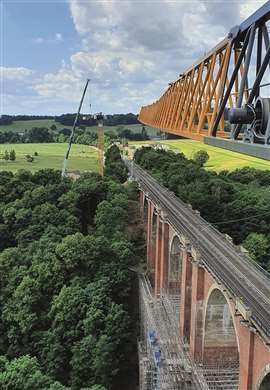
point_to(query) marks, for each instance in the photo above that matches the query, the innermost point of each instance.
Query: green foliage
(24, 374)
(65, 282)
(39, 134)
(6, 155)
(258, 246)
(29, 158)
(12, 155)
(201, 157)
(115, 167)
(237, 202)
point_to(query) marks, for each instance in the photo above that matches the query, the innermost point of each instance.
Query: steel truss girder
(195, 105)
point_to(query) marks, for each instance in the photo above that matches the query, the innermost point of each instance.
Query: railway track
(235, 271)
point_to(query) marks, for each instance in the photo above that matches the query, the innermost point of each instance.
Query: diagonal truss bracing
(231, 75)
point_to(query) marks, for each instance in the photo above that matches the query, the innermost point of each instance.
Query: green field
(20, 126)
(51, 155)
(219, 160)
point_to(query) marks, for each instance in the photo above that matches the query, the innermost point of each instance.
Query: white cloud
(131, 50)
(58, 37)
(38, 40)
(250, 6)
(64, 85)
(15, 73)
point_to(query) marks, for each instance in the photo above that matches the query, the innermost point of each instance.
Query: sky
(130, 49)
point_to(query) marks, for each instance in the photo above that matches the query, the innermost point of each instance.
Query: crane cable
(64, 169)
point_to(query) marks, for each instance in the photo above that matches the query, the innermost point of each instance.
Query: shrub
(12, 155)
(6, 155)
(29, 158)
(201, 157)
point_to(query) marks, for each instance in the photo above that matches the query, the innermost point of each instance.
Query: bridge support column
(197, 313)
(141, 199)
(164, 256)
(149, 234)
(185, 305)
(158, 256)
(246, 340)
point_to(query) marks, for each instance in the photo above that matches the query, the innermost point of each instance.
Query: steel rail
(238, 275)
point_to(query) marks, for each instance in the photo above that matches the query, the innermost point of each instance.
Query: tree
(39, 134)
(12, 155)
(64, 283)
(114, 165)
(6, 155)
(24, 374)
(144, 133)
(65, 131)
(53, 127)
(201, 157)
(258, 248)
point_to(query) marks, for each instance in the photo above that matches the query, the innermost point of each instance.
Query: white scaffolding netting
(164, 359)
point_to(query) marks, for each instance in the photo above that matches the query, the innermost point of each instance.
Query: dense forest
(67, 310)
(237, 202)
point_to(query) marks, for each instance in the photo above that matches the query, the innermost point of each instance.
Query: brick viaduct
(210, 323)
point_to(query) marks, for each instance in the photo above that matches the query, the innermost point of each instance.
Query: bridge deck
(239, 275)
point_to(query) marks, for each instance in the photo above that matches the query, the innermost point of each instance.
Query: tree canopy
(237, 202)
(66, 321)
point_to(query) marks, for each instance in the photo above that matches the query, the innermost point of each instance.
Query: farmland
(21, 126)
(50, 155)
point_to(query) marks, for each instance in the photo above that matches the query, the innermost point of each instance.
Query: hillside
(219, 159)
(50, 155)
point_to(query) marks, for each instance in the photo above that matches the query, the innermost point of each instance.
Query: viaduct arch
(175, 267)
(220, 344)
(264, 384)
(208, 320)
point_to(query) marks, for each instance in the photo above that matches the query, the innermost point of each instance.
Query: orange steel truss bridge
(223, 95)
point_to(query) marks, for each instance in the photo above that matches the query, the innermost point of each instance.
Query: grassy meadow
(220, 159)
(20, 126)
(50, 155)
(85, 158)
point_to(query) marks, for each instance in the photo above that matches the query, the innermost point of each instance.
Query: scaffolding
(164, 360)
(165, 363)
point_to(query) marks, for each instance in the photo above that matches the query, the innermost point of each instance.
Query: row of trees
(237, 202)
(34, 135)
(128, 134)
(9, 119)
(88, 120)
(65, 286)
(82, 135)
(68, 119)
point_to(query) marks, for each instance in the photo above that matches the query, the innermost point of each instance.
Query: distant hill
(68, 119)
